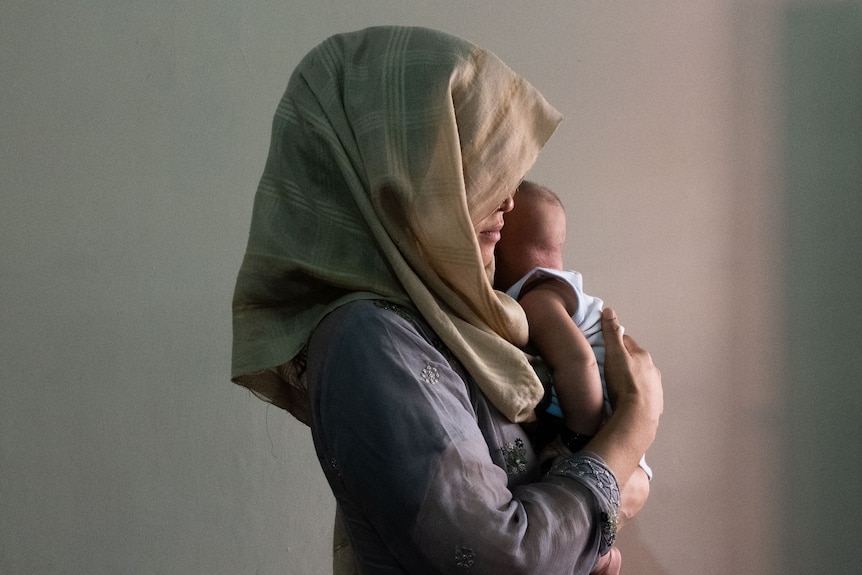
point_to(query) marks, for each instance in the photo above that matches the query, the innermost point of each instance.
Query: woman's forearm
(625, 437)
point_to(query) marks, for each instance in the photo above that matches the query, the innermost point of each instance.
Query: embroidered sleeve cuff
(592, 472)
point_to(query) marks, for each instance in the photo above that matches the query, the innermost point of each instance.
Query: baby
(565, 323)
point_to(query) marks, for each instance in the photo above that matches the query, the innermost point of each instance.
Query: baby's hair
(539, 192)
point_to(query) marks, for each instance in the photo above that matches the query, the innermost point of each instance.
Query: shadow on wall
(820, 496)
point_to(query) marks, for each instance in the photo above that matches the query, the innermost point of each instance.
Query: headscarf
(387, 146)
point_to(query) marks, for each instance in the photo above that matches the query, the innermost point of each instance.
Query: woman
(364, 306)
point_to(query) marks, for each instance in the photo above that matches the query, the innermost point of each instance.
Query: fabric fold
(387, 146)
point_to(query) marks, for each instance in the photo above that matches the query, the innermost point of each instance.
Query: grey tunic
(429, 476)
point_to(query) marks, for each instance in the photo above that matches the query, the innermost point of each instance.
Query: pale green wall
(133, 135)
(822, 491)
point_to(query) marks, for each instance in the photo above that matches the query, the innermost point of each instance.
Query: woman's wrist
(626, 436)
(637, 411)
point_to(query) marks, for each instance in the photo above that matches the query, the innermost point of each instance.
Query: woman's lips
(492, 235)
(492, 232)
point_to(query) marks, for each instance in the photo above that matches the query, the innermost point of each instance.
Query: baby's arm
(549, 305)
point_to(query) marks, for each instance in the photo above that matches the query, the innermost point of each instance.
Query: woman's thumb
(612, 331)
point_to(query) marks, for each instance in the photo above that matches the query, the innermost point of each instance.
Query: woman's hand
(633, 495)
(609, 564)
(629, 370)
(635, 392)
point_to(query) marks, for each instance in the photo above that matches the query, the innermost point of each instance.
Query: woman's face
(488, 230)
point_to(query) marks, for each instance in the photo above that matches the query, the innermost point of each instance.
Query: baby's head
(533, 235)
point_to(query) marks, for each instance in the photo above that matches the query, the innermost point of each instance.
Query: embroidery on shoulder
(430, 375)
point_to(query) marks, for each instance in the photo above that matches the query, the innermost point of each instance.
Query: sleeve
(398, 439)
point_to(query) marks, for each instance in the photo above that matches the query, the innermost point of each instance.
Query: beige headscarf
(389, 143)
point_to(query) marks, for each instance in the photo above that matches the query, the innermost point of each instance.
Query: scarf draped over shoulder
(387, 146)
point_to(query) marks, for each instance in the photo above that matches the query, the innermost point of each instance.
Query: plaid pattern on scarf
(387, 146)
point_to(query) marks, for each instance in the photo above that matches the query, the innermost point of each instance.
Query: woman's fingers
(628, 367)
(612, 331)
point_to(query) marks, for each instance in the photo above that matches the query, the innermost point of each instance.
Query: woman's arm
(633, 494)
(635, 391)
(397, 434)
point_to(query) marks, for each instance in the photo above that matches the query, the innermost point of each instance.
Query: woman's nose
(507, 204)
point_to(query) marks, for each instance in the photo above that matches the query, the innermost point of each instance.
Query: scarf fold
(387, 146)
